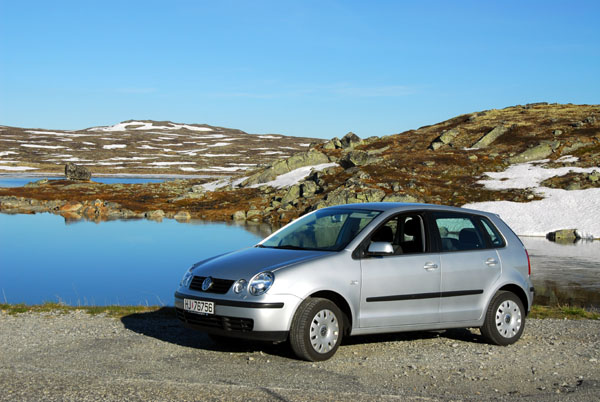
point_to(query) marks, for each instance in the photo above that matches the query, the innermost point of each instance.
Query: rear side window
(492, 232)
(459, 232)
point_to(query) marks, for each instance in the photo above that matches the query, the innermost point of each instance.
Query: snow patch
(219, 144)
(114, 146)
(5, 153)
(43, 146)
(140, 125)
(295, 176)
(16, 168)
(560, 209)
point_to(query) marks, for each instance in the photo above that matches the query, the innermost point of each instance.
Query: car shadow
(163, 325)
(458, 334)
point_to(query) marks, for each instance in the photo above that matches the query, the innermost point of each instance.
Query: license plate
(199, 306)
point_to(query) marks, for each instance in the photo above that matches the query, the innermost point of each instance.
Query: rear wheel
(316, 330)
(504, 319)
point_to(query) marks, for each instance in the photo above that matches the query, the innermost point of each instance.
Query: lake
(20, 181)
(141, 262)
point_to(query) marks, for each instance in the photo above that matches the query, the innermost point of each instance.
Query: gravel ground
(75, 356)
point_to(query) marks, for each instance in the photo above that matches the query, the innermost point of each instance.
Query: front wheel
(316, 330)
(504, 319)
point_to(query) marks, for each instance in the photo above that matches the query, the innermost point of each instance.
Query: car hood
(245, 263)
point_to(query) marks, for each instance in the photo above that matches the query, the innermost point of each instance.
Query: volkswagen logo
(206, 284)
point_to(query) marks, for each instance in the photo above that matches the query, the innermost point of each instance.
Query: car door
(469, 263)
(402, 288)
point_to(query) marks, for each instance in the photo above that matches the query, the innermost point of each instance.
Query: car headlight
(261, 283)
(187, 278)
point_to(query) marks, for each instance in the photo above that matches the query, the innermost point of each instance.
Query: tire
(504, 319)
(317, 329)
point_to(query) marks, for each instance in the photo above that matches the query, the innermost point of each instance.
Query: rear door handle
(430, 266)
(492, 262)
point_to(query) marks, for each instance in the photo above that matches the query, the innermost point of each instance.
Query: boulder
(254, 215)
(156, 215)
(333, 143)
(490, 137)
(76, 172)
(445, 138)
(308, 189)
(563, 236)
(358, 158)
(400, 198)
(239, 216)
(538, 152)
(182, 216)
(292, 195)
(350, 140)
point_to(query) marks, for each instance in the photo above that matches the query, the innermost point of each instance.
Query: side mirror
(381, 248)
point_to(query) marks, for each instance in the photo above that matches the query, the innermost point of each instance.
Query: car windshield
(326, 230)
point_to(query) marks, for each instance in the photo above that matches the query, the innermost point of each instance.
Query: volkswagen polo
(364, 269)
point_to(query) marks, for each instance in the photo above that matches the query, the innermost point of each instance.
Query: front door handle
(492, 262)
(430, 266)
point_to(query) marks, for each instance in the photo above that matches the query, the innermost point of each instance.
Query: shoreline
(113, 175)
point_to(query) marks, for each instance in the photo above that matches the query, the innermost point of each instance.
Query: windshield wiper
(290, 247)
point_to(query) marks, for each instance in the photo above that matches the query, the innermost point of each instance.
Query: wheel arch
(342, 304)
(517, 290)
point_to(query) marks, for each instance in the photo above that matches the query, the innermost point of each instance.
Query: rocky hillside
(441, 163)
(144, 147)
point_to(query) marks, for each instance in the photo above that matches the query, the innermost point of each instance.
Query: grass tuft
(563, 312)
(51, 307)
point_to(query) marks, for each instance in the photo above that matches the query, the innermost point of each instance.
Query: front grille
(220, 286)
(216, 321)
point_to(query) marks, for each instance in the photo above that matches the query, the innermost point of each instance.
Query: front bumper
(261, 320)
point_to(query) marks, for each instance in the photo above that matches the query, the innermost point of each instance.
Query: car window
(458, 233)
(405, 232)
(495, 238)
(329, 229)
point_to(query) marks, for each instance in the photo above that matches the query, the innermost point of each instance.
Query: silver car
(364, 269)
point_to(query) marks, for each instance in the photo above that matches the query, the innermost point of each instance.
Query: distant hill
(144, 147)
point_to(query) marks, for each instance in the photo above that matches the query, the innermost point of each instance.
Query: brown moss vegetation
(447, 175)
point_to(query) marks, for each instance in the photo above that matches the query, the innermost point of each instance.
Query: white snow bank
(219, 144)
(295, 176)
(148, 126)
(528, 175)
(16, 168)
(114, 146)
(560, 209)
(42, 146)
(5, 153)
(218, 155)
(269, 137)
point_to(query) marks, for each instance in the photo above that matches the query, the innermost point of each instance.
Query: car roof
(406, 206)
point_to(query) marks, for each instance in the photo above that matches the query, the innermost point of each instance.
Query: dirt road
(76, 356)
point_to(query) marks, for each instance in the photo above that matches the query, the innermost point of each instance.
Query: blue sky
(307, 68)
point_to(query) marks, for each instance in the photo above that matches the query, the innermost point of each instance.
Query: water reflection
(116, 262)
(20, 181)
(142, 261)
(565, 273)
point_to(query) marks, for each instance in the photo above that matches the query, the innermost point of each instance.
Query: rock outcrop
(308, 158)
(76, 172)
(490, 137)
